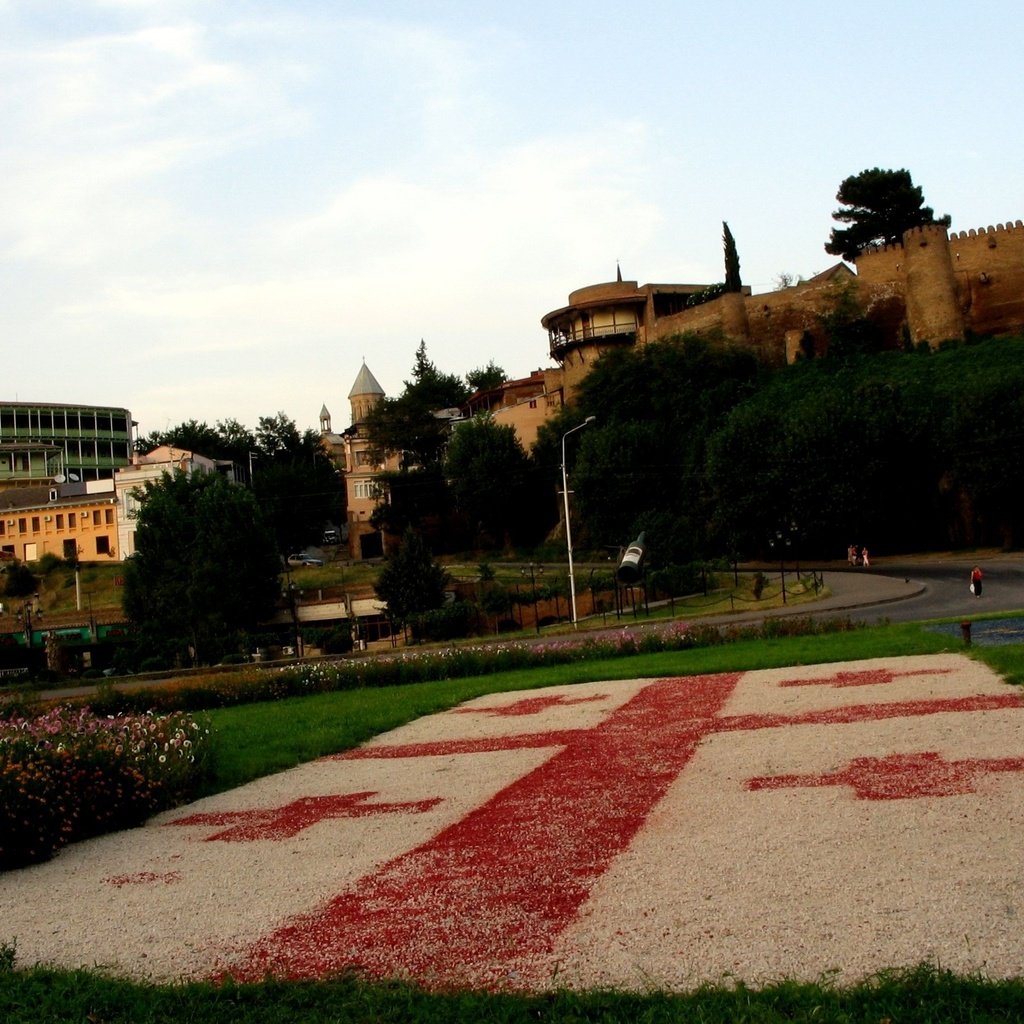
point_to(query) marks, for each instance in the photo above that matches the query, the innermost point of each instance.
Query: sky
(217, 209)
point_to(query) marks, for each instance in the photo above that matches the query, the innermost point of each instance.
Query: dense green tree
(19, 580)
(228, 440)
(411, 581)
(879, 205)
(489, 475)
(732, 261)
(483, 378)
(431, 387)
(205, 568)
(191, 435)
(296, 483)
(640, 465)
(407, 425)
(418, 497)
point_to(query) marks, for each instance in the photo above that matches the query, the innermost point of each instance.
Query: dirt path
(793, 822)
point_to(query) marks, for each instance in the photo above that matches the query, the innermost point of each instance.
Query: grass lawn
(257, 739)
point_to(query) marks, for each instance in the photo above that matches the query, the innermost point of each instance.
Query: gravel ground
(830, 820)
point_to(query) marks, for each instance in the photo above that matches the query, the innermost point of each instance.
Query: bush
(253, 683)
(48, 562)
(19, 581)
(70, 774)
(338, 640)
(444, 623)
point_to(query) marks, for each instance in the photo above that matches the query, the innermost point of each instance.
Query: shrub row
(253, 684)
(70, 774)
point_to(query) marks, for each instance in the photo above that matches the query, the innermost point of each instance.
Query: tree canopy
(293, 478)
(732, 261)
(489, 474)
(411, 581)
(205, 568)
(879, 205)
(407, 424)
(483, 378)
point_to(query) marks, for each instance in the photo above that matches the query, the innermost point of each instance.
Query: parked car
(304, 560)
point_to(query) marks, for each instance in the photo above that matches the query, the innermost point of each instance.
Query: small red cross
(900, 776)
(865, 677)
(531, 706)
(289, 820)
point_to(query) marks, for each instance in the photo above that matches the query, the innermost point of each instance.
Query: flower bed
(256, 683)
(70, 774)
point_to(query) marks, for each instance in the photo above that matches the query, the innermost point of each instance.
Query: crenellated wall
(932, 286)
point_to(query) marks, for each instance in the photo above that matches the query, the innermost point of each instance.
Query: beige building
(351, 453)
(77, 521)
(522, 404)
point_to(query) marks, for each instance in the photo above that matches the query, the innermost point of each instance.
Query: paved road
(911, 589)
(901, 590)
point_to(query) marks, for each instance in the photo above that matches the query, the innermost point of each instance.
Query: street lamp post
(568, 527)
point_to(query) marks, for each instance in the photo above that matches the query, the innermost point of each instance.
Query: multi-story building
(68, 521)
(522, 404)
(56, 443)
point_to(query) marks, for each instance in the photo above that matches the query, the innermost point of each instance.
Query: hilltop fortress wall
(930, 288)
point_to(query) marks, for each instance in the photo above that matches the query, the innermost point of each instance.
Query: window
(22, 525)
(103, 545)
(95, 517)
(70, 549)
(3, 526)
(108, 516)
(60, 520)
(71, 520)
(363, 489)
(35, 524)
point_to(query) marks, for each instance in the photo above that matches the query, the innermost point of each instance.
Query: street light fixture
(568, 528)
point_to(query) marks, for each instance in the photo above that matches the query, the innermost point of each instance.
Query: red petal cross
(900, 776)
(289, 820)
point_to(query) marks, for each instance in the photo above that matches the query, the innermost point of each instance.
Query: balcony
(561, 339)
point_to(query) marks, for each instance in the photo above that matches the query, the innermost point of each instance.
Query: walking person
(865, 560)
(976, 581)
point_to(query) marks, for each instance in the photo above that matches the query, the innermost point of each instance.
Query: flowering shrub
(69, 774)
(257, 683)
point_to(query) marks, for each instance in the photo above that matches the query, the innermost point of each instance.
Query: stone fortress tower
(930, 288)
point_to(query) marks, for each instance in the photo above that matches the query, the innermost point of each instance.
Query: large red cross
(900, 776)
(489, 894)
(291, 819)
(864, 677)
